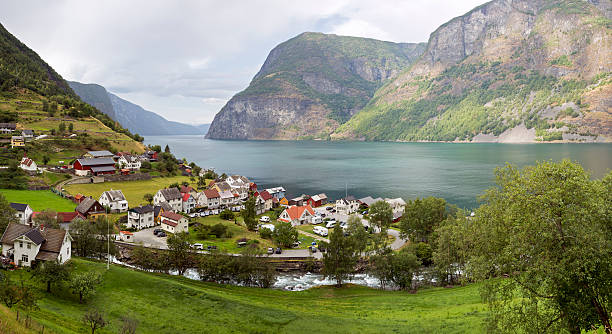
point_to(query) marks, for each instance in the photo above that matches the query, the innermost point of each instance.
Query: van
(316, 220)
(320, 230)
(331, 224)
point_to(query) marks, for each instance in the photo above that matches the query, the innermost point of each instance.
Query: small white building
(397, 204)
(28, 164)
(114, 200)
(174, 222)
(297, 215)
(128, 161)
(23, 212)
(141, 217)
(171, 196)
(347, 205)
(25, 244)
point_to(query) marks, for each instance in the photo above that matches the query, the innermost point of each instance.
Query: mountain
(311, 84)
(507, 71)
(130, 115)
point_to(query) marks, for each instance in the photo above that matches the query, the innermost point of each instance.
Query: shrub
(226, 215)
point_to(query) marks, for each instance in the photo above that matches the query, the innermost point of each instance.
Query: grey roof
(96, 154)
(28, 132)
(96, 161)
(35, 236)
(85, 205)
(98, 169)
(52, 239)
(8, 126)
(19, 206)
(171, 193)
(369, 200)
(143, 209)
(162, 205)
(114, 195)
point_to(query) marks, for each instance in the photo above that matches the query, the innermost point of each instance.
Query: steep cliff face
(542, 65)
(129, 115)
(310, 85)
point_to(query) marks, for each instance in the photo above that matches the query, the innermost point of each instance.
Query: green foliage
(180, 254)
(226, 215)
(561, 61)
(7, 213)
(50, 273)
(265, 233)
(284, 234)
(341, 257)
(421, 217)
(249, 215)
(84, 284)
(13, 177)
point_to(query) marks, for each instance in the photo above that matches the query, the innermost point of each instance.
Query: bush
(218, 230)
(226, 215)
(265, 233)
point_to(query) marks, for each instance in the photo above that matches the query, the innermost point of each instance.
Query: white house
(227, 198)
(347, 205)
(278, 192)
(189, 202)
(172, 196)
(24, 212)
(141, 217)
(397, 204)
(114, 200)
(128, 161)
(27, 134)
(28, 164)
(209, 198)
(25, 244)
(174, 222)
(297, 215)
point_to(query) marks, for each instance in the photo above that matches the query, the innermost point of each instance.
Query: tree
(45, 159)
(70, 127)
(451, 248)
(249, 215)
(404, 266)
(148, 197)
(340, 258)
(547, 229)
(156, 148)
(360, 236)
(52, 108)
(10, 293)
(381, 218)
(51, 273)
(201, 183)
(128, 325)
(94, 319)
(61, 127)
(47, 218)
(180, 252)
(284, 234)
(45, 106)
(167, 149)
(421, 217)
(84, 284)
(7, 214)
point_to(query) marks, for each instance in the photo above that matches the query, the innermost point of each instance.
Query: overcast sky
(185, 59)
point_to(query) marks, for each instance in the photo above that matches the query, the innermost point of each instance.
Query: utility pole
(107, 244)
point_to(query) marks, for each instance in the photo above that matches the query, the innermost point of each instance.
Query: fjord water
(457, 172)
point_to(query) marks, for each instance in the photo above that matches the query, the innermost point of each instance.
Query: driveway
(297, 253)
(148, 239)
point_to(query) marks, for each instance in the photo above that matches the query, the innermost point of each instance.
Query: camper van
(316, 220)
(320, 230)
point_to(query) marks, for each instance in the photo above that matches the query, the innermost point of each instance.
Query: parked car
(264, 219)
(211, 247)
(270, 250)
(161, 234)
(316, 220)
(313, 249)
(278, 250)
(329, 208)
(322, 215)
(198, 246)
(157, 230)
(296, 244)
(331, 224)
(320, 230)
(344, 225)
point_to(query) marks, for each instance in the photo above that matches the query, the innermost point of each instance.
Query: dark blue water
(457, 172)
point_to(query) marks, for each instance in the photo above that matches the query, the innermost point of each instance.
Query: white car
(331, 224)
(316, 220)
(320, 230)
(264, 219)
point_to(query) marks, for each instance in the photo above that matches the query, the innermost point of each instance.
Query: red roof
(185, 189)
(67, 217)
(295, 212)
(172, 215)
(27, 161)
(211, 193)
(126, 232)
(169, 222)
(265, 195)
(186, 197)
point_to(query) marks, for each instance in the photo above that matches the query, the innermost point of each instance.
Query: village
(215, 202)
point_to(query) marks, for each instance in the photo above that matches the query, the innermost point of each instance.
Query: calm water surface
(457, 172)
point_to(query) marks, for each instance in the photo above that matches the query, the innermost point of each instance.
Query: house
(171, 196)
(152, 156)
(297, 215)
(23, 212)
(317, 200)
(237, 181)
(209, 198)
(126, 236)
(397, 216)
(27, 134)
(188, 190)
(260, 205)
(28, 164)
(278, 192)
(25, 244)
(284, 202)
(189, 202)
(17, 141)
(298, 201)
(221, 186)
(174, 222)
(159, 209)
(397, 204)
(227, 198)
(90, 208)
(7, 128)
(78, 198)
(347, 205)
(98, 154)
(141, 217)
(129, 161)
(66, 219)
(267, 198)
(114, 200)
(97, 166)
(368, 201)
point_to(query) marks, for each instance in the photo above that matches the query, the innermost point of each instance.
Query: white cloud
(185, 59)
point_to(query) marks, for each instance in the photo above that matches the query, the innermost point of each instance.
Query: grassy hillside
(165, 304)
(39, 200)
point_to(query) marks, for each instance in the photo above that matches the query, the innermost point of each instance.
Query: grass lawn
(133, 190)
(228, 244)
(39, 199)
(168, 304)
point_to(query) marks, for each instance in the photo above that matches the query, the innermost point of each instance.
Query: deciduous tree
(94, 319)
(421, 217)
(180, 252)
(340, 258)
(51, 273)
(249, 214)
(84, 284)
(284, 234)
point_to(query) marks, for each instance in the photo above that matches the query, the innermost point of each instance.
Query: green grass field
(133, 190)
(39, 199)
(167, 304)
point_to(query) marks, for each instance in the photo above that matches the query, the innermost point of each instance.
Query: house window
(28, 244)
(20, 244)
(24, 258)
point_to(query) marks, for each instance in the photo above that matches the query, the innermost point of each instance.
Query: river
(457, 172)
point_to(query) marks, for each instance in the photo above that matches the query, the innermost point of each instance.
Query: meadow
(39, 199)
(170, 304)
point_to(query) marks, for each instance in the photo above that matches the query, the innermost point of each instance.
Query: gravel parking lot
(148, 239)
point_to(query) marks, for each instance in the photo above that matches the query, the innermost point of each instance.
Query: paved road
(148, 239)
(398, 242)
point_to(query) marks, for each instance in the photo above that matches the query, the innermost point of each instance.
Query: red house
(97, 166)
(317, 200)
